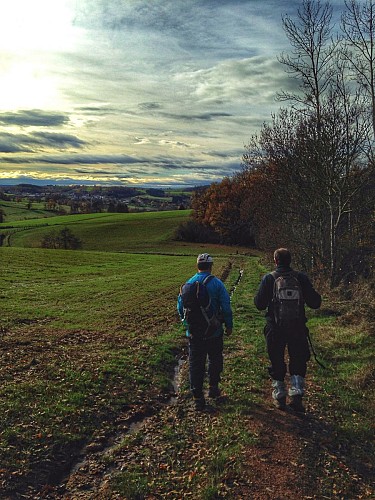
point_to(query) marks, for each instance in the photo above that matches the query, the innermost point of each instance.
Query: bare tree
(313, 184)
(333, 135)
(63, 239)
(336, 164)
(310, 61)
(358, 25)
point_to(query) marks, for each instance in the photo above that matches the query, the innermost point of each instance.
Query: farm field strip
(108, 232)
(110, 286)
(96, 218)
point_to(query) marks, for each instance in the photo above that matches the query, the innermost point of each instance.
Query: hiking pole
(314, 353)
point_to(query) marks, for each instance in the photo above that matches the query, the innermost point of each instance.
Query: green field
(19, 211)
(134, 232)
(90, 339)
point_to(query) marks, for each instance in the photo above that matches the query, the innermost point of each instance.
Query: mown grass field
(134, 232)
(91, 336)
(15, 211)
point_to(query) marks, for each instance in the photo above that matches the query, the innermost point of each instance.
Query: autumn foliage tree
(308, 175)
(222, 207)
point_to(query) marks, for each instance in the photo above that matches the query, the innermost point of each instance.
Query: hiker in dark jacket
(201, 349)
(295, 337)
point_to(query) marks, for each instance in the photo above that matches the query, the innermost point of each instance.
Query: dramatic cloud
(36, 141)
(57, 140)
(150, 92)
(33, 118)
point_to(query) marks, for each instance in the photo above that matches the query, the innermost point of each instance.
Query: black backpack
(199, 316)
(287, 300)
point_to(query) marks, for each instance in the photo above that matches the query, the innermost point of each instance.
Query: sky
(153, 93)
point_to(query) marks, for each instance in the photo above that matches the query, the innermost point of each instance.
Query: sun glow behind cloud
(25, 86)
(31, 34)
(36, 25)
(135, 91)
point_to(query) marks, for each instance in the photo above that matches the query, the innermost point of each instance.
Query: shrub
(195, 232)
(64, 239)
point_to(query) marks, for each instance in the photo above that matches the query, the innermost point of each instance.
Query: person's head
(282, 257)
(204, 262)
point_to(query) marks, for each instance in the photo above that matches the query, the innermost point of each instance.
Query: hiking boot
(199, 403)
(296, 404)
(297, 386)
(279, 394)
(280, 404)
(214, 392)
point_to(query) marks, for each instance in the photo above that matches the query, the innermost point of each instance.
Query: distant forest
(307, 178)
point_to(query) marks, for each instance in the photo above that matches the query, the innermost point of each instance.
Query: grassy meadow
(15, 211)
(90, 337)
(143, 232)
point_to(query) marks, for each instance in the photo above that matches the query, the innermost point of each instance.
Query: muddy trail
(293, 456)
(272, 465)
(280, 464)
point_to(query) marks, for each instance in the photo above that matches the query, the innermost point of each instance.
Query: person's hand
(228, 331)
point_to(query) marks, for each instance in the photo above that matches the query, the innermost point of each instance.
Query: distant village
(93, 199)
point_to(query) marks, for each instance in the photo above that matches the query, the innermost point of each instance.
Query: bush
(195, 232)
(64, 239)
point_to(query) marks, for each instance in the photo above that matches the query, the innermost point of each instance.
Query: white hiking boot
(296, 392)
(297, 386)
(279, 394)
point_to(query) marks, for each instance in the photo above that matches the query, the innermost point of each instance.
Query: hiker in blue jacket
(295, 338)
(211, 348)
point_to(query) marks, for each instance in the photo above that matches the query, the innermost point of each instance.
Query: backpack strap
(275, 275)
(207, 279)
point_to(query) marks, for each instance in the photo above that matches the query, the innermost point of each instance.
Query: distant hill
(103, 232)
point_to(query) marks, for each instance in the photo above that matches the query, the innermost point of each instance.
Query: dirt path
(272, 468)
(279, 465)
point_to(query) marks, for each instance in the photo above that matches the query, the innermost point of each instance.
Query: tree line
(307, 178)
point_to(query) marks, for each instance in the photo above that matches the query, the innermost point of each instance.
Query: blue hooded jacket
(220, 300)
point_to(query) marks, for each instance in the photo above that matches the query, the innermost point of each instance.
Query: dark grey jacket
(263, 298)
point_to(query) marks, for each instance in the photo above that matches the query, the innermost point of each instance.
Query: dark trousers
(199, 352)
(298, 349)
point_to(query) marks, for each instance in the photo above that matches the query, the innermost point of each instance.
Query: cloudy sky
(139, 92)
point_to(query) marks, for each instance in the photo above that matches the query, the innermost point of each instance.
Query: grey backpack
(287, 300)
